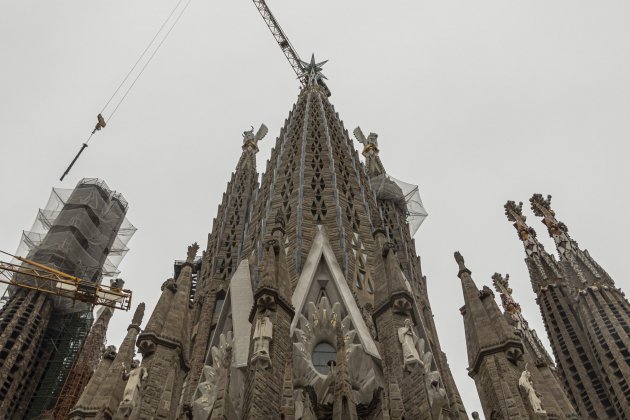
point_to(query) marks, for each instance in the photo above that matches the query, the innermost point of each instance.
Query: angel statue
(370, 141)
(251, 140)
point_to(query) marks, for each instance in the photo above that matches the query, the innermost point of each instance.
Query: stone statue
(134, 378)
(249, 139)
(525, 383)
(408, 339)
(109, 352)
(370, 141)
(263, 334)
(170, 285)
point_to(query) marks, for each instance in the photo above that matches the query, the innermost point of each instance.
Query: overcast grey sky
(478, 102)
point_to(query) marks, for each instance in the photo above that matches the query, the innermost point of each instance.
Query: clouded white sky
(477, 102)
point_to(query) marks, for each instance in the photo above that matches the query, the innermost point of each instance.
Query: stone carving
(192, 252)
(369, 142)
(263, 333)
(525, 383)
(303, 405)
(366, 312)
(206, 393)
(318, 324)
(251, 139)
(409, 340)
(134, 379)
(435, 390)
(170, 285)
(109, 352)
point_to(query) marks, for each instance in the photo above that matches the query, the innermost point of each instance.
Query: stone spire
(164, 345)
(494, 351)
(543, 268)
(580, 267)
(570, 302)
(539, 363)
(602, 312)
(86, 362)
(103, 394)
(225, 249)
(271, 345)
(515, 317)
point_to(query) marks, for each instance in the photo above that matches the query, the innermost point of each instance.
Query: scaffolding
(77, 240)
(407, 196)
(84, 366)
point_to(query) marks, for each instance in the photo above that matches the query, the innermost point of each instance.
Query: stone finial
(312, 71)
(542, 208)
(460, 261)
(138, 315)
(526, 234)
(501, 285)
(192, 252)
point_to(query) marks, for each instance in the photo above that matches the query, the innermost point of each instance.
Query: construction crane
(285, 45)
(54, 282)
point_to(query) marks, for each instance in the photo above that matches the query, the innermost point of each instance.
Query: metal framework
(281, 39)
(48, 280)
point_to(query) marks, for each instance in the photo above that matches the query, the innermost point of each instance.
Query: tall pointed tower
(601, 307)
(305, 255)
(584, 315)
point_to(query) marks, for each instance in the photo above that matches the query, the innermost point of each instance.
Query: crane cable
(101, 121)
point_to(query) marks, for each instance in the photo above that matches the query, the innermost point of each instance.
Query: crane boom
(50, 281)
(281, 39)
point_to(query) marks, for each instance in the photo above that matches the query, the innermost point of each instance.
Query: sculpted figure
(408, 339)
(251, 139)
(134, 378)
(525, 383)
(109, 352)
(263, 334)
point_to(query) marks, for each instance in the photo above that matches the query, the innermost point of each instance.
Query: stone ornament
(251, 140)
(109, 352)
(134, 378)
(192, 252)
(369, 143)
(409, 341)
(170, 285)
(318, 323)
(526, 385)
(207, 389)
(263, 333)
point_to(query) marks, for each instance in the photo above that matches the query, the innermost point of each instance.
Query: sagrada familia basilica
(308, 302)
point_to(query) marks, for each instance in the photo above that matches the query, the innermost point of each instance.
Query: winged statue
(369, 141)
(250, 137)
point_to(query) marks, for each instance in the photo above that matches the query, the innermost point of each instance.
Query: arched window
(322, 354)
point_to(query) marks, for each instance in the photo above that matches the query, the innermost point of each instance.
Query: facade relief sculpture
(263, 333)
(134, 377)
(526, 386)
(409, 341)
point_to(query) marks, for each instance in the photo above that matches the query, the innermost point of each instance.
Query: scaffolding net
(82, 233)
(386, 187)
(82, 252)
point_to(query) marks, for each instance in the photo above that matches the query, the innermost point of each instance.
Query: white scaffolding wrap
(387, 187)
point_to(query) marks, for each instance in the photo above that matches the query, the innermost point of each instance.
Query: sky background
(476, 102)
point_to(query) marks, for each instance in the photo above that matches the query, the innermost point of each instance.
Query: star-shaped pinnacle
(312, 72)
